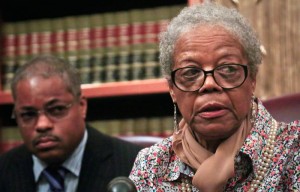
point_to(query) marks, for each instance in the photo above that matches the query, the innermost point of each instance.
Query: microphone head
(121, 184)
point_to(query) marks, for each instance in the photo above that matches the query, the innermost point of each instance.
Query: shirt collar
(72, 164)
(175, 167)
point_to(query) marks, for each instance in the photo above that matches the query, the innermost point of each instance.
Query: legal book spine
(34, 38)
(140, 126)
(137, 62)
(22, 43)
(70, 26)
(46, 35)
(124, 47)
(127, 126)
(137, 44)
(9, 55)
(137, 26)
(111, 56)
(97, 64)
(163, 16)
(101, 126)
(167, 126)
(84, 32)
(97, 48)
(111, 64)
(154, 126)
(151, 64)
(110, 29)
(84, 64)
(97, 31)
(124, 66)
(114, 127)
(58, 38)
(84, 48)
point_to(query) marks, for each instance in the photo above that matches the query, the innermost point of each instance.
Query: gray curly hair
(209, 13)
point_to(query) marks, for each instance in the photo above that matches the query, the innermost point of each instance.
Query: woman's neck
(210, 145)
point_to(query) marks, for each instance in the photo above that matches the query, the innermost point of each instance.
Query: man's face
(51, 120)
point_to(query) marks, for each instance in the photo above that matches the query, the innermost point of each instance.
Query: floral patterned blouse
(157, 168)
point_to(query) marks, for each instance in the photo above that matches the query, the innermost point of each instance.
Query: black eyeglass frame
(245, 68)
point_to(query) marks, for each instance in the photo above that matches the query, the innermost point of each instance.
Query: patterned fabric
(157, 168)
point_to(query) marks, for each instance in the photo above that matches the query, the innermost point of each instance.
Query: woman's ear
(171, 91)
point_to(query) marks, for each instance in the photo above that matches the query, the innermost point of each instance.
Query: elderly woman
(226, 140)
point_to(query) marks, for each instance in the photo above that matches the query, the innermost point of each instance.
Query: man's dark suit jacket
(104, 158)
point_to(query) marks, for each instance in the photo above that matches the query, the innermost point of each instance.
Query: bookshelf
(114, 89)
(149, 97)
(126, 101)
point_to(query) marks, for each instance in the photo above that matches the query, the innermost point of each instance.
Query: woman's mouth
(211, 111)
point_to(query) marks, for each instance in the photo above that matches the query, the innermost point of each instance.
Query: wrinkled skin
(212, 112)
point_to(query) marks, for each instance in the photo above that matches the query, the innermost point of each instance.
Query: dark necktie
(55, 177)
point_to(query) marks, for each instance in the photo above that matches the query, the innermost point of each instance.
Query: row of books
(105, 47)
(155, 126)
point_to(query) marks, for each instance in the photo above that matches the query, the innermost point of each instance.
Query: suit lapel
(24, 177)
(96, 162)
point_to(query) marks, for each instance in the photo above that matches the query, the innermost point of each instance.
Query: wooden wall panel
(277, 23)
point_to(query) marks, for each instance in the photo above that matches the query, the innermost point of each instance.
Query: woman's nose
(210, 84)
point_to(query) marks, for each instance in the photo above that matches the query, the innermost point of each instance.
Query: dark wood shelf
(5, 98)
(114, 89)
(141, 87)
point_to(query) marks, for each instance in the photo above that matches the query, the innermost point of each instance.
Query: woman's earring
(176, 129)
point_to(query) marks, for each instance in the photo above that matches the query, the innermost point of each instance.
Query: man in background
(60, 151)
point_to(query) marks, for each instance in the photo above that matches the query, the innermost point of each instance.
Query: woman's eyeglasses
(227, 76)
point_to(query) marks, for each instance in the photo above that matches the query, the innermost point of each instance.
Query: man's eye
(28, 115)
(57, 110)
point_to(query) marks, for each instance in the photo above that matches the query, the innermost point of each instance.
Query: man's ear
(83, 106)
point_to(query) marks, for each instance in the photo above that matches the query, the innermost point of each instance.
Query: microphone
(121, 184)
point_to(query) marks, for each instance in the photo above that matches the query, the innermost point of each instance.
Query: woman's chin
(214, 131)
